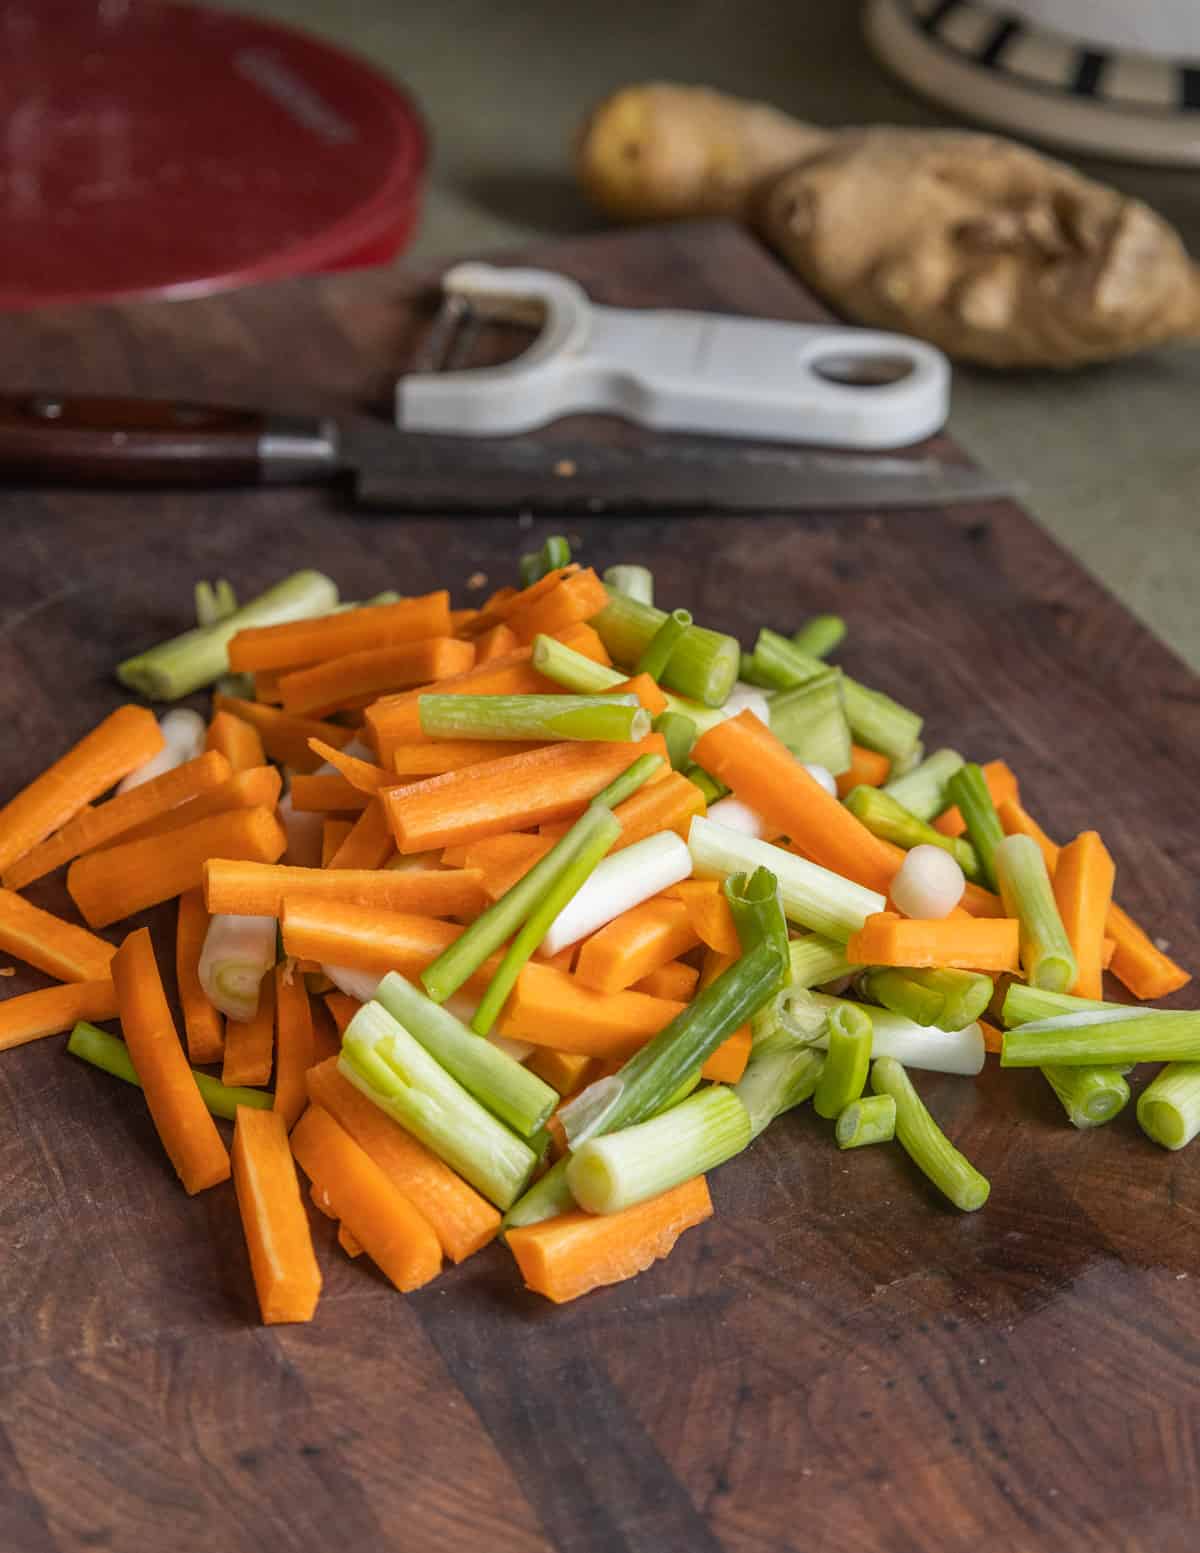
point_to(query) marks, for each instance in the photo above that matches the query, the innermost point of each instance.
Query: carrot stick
(123, 741)
(257, 788)
(326, 792)
(1107, 952)
(674, 980)
(502, 860)
(508, 602)
(634, 944)
(747, 757)
(327, 1041)
(411, 761)
(294, 1052)
(461, 619)
(868, 768)
(333, 682)
(563, 1071)
(979, 902)
(239, 742)
(1083, 883)
(54, 1009)
(258, 889)
(1136, 961)
(510, 793)
(250, 1046)
(115, 883)
(110, 820)
(550, 1008)
(62, 950)
(204, 1028)
(284, 1267)
(645, 688)
(462, 1220)
(496, 642)
(299, 642)
(182, 1120)
(968, 943)
(369, 844)
(1001, 783)
(363, 774)
(728, 1062)
(993, 1039)
(565, 1257)
(667, 802)
(364, 938)
(380, 1217)
(342, 1009)
(266, 686)
(570, 601)
(333, 834)
(285, 738)
(709, 914)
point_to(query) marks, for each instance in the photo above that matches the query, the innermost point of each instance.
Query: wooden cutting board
(837, 1359)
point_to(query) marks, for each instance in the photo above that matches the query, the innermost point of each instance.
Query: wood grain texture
(836, 1359)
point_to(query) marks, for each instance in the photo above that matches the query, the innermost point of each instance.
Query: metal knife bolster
(295, 449)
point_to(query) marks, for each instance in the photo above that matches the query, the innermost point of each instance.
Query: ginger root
(991, 251)
(654, 152)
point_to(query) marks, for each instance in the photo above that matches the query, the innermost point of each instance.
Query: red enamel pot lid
(152, 149)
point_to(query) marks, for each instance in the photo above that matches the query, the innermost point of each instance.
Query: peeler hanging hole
(862, 371)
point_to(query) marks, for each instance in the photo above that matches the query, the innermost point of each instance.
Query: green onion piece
(1089, 1096)
(514, 1094)
(819, 636)
(750, 674)
(239, 686)
(946, 998)
(922, 790)
(1046, 954)
(663, 643)
(1104, 1038)
(185, 663)
(875, 719)
(782, 1073)
(703, 666)
(1023, 1004)
(811, 721)
(848, 1060)
(884, 817)
(1168, 1109)
(573, 670)
(613, 1172)
(713, 790)
(596, 833)
(634, 582)
(653, 1076)
(757, 909)
(457, 963)
(680, 733)
(870, 1119)
(969, 790)
(804, 1014)
(108, 1052)
(612, 718)
(813, 896)
(236, 954)
(380, 1058)
(554, 554)
(924, 1141)
(215, 601)
(815, 960)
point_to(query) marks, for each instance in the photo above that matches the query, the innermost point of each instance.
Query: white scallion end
(930, 883)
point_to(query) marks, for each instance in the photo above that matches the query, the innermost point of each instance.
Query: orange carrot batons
(59, 948)
(182, 1120)
(239, 742)
(369, 844)
(868, 768)
(1083, 884)
(1138, 962)
(204, 1027)
(565, 1257)
(964, 942)
(462, 1220)
(115, 883)
(300, 642)
(380, 1217)
(294, 1047)
(250, 1045)
(31, 1015)
(573, 599)
(285, 738)
(634, 944)
(259, 890)
(287, 1279)
(257, 788)
(123, 741)
(337, 682)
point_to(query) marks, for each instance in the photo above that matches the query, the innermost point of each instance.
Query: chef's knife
(101, 441)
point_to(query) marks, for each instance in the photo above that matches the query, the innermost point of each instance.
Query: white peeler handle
(682, 371)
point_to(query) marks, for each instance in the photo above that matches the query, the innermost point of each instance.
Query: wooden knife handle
(100, 441)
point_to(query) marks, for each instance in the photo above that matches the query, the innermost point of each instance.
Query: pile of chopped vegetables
(537, 912)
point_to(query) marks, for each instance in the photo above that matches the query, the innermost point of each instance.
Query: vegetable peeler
(722, 375)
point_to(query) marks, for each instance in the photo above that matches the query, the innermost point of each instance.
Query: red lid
(162, 149)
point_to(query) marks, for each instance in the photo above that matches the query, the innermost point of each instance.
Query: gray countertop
(1109, 457)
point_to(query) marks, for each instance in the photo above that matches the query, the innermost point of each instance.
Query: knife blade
(98, 441)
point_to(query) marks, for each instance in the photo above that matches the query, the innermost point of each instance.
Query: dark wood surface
(837, 1359)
